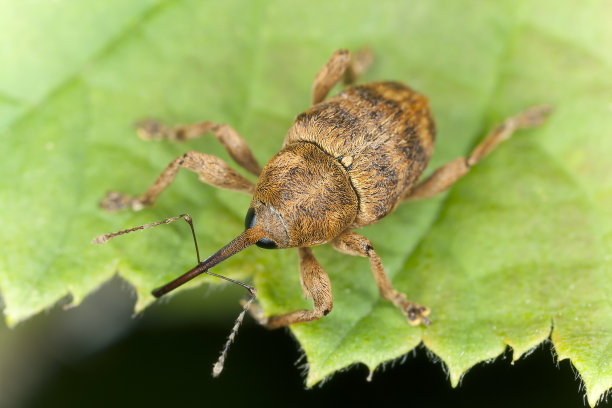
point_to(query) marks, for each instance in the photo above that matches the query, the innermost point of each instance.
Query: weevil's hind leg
(211, 169)
(341, 64)
(360, 62)
(231, 140)
(351, 243)
(316, 286)
(447, 175)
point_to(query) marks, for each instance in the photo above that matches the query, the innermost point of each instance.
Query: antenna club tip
(99, 239)
(217, 368)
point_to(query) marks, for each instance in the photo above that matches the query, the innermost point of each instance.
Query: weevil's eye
(249, 222)
(266, 243)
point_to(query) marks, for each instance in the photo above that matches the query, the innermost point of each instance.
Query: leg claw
(116, 201)
(417, 314)
(150, 129)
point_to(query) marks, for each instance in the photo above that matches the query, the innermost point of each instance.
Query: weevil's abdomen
(383, 135)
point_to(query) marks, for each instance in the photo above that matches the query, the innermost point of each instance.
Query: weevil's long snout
(242, 241)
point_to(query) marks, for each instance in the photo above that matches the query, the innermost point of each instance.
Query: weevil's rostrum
(346, 162)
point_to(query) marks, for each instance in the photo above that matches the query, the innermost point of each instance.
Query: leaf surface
(517, 252)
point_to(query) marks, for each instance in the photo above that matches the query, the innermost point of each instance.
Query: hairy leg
(341, 65)
(211, 169)
(316, 286)
(231, 140)
(447, 175)
(351, 243)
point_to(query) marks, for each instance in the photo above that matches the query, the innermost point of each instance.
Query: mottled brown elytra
(345, 163)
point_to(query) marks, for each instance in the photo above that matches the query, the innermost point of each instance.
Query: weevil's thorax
(303, 197)
(382, 133)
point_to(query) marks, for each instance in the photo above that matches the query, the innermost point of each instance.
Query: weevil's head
(303, 198)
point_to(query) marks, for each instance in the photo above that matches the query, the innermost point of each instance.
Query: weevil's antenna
(242, 241)
(105, 237)
(218, 367)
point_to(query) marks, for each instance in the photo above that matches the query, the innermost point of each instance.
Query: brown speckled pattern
(386, 131)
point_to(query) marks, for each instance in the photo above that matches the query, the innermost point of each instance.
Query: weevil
(345, 163)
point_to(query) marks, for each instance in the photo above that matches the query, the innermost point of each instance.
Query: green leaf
(518, 252)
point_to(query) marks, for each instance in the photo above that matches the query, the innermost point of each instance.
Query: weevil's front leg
(231, 140)
(316, 286)
(447, 175)
(211, 169)
(351, 243)
(341, 64)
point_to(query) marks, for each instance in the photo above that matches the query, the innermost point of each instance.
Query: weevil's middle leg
(351, 243)
(316, 286)
(341, 64)
(211, 169)
(447, 175)
(231, 140)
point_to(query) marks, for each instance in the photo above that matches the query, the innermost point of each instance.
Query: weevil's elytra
(386, 155)
(346, 162)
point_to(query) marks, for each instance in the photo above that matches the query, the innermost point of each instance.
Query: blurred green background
(75, 75)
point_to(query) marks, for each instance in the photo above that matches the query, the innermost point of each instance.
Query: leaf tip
(597, 395)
